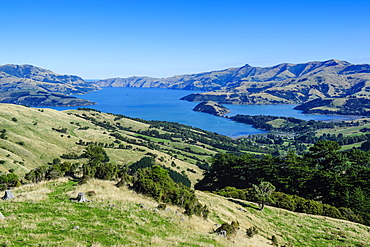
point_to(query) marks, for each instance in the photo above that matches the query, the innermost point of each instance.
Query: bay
(164, 105)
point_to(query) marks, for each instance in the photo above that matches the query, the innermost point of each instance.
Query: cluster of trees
(155, 182)
(291, 125)
(9, 180)
(163, 184)
(292, 202)
(311, 137)
(176, 132)
(148, 161)
(53, 170)
(324, 174)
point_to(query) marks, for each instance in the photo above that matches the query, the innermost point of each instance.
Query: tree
(95, 154)
(262, 193)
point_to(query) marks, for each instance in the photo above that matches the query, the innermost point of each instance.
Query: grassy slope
(41, 144)
(42, 215)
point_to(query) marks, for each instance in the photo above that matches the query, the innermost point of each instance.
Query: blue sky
(104, 39)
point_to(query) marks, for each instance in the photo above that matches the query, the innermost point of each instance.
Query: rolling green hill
(41, 214)
(35, 137)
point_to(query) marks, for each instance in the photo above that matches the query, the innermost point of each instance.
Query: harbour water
(164, 105)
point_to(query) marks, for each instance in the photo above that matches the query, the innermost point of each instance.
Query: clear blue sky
(103, 39)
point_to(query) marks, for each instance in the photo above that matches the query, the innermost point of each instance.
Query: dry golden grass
(42, 144)
(113, 204)
(288, 227)
(107, 193)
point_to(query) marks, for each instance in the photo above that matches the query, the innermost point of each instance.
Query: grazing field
(43, 215)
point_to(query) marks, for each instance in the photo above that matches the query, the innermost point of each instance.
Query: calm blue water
(164, 104)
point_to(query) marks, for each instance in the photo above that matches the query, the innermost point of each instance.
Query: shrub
(274, 241)
(251, 231)
(230, 229)
(150, 161)
(233, 193)
(331, 211)
(348, 214)
(155, 182)
(162, 206)
(285, 201)
(313, 207)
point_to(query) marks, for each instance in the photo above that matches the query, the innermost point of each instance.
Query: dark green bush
(148, 161)
(285, 201)
(155, 182)
(331, 211)
(230, 229)
(162, 206)
(233, 193)
(348, 214)
(251, 231)
(8, 180)
(294, 203)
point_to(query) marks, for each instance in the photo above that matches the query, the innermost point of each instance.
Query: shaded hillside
(14, 77)
(41, 99)
(280, 84)
(338, 106)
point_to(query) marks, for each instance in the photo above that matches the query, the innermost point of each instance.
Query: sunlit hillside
(43, 215)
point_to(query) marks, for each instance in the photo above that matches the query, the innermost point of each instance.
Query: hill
(338, 106)
(14, 77)
(42, 214)
(31, 79)
(34, 137)
(31, 137)
(41, 99)
(281, 84)
(211, 108)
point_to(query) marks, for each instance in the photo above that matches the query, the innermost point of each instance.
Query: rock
(8, 195)
(80, 198)
(212, 107)
(76, 228)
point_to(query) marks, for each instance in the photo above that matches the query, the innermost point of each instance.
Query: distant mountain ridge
(281, 84)
(33, 86)
(13, 77)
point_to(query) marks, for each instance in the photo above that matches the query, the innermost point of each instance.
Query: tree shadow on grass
(243, 204)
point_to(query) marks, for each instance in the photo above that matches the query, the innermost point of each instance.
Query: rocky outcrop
(212, 107)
